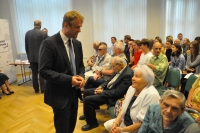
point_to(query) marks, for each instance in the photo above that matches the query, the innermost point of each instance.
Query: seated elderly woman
(193, 100)
(5, 85)
(167, 117)
(138, 97)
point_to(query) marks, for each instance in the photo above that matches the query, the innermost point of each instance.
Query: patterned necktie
(71, 54)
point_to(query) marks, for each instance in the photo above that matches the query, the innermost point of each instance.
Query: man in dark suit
(61, 65)
(33, 39)
(127, 38)
(107, 93)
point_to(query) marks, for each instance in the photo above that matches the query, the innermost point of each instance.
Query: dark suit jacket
(119, 87)
(55, 68)
(127, 53)
(33, 39)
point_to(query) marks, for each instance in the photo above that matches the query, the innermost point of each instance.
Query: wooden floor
(25, 112)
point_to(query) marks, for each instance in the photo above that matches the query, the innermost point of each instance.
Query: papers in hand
(188, 75)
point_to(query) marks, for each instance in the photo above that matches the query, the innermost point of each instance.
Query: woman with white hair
(138, 97)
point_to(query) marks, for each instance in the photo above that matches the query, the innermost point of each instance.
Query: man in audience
(127, 38)
(33, 39)
(45, 31)
(146, 55)
(159, 64)
(107, 93)
(180, 37)
(113, 41)
(103, 60)
(169, 116)
(92, 59)
(177, 41)
(106, 72)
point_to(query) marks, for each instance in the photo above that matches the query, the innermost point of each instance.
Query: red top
(137, 55)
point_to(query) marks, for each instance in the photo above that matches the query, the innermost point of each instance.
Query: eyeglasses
(100, 49)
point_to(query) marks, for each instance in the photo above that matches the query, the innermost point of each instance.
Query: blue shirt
(178, 63)
(152, 122)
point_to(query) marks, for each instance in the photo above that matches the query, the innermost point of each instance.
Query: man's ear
(182, 110)
(66, 25)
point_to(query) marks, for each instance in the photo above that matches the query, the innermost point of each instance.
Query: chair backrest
(173, 77)
(189, 82)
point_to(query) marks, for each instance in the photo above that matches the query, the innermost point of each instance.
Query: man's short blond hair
(71, 16)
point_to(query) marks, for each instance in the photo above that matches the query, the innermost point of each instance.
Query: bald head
(177, 41)
(157, 46)
(37, 24)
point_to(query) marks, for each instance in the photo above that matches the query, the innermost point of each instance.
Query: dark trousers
(34, 68)
(91, 102)
(65, 119)
(91, 83)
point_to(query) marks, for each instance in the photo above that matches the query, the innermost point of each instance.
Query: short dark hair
(159, 39)
(127, 37)
(170, 41)
(145, 42)
(114, 38)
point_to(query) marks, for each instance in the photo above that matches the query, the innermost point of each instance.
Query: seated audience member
(194, 127)
(113, 41)
(146, 55)
(185, 46)
(177, 41)
(137, 53)
(127, 38)
(170, 37)
(107, 93)
(177, 59)
(158, 39)
(103, 60)
(46, 31)
(92, 59)
(180, 37)
(192, 63)
(193, 99)
(131, 52)
(159, 64)
(169, 116)
(5, 85)
(138, 98)
(106, 72)
(193, 57)
(168, 49)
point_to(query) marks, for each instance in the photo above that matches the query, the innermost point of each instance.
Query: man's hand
(98, 90)
(77, 80)
(82, 84)
(188, 52)
(96, 77)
